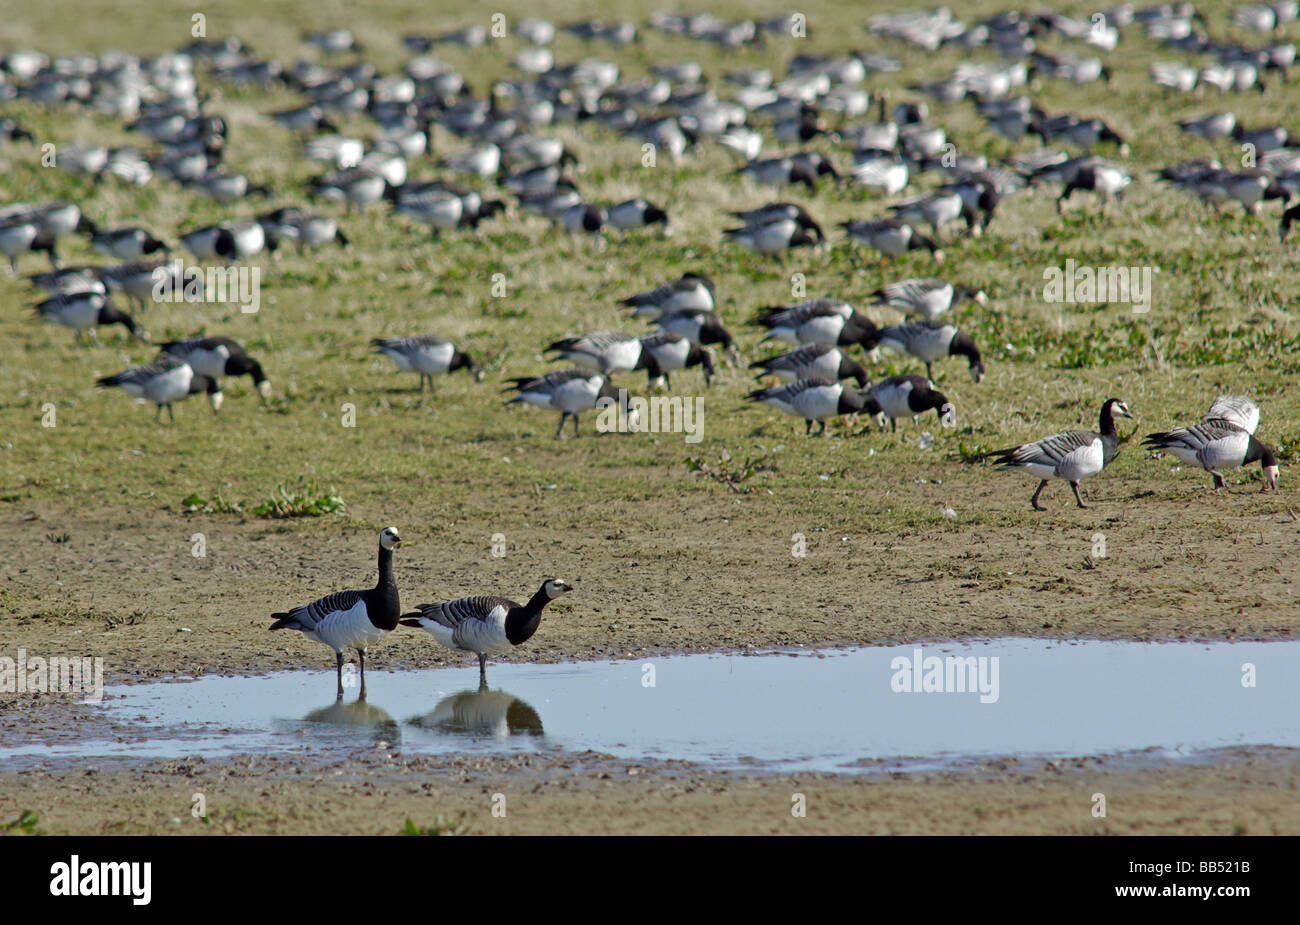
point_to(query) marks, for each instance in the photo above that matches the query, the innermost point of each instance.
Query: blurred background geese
(485, 625)
(427, 355)
(217, 357)
(812, 400)
(832, 322)
(164, 381)
(813, 361)
(86, 311)
(569, 391)
(1224, 439)
(1073, 455)
(352, 619)
(928, 297)
(908, 395)
(691, 291)
(929, 341)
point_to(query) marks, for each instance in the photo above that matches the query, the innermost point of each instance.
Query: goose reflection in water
(495, 713)
(359, 715)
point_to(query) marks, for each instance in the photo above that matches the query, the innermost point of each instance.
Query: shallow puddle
(833, 710)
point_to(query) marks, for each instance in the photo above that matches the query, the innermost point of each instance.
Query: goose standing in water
(485, 624)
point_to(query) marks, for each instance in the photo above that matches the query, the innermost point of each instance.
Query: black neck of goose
(858, 330)
(1256, 451)
(1107, 423)
(388, 606)
(522, 622)
(962, 345)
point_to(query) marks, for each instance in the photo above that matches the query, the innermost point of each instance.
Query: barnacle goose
(692, 292)
(85, 311)
(778, 211)
(127, 243)
(812, 400)
(427, 355)
(352, 619)
(813, 361)
(289, 223)
(638, 213)
(216, 357)
(18, 233)
(607, 352)
(485, 624)
(1106, 180)
(673, 351)
(771, 238)
(357, 186)
(1224, 439)
(907, 395)
(832, 322)
(164, 381)
(1073, 455)
(569, 391)
(891, 237)
(928, 297)
(699, 327)
(930, 340)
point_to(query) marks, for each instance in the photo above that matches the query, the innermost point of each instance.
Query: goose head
(389, 539)
(554, 587)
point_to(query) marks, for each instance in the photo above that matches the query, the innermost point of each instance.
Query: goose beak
(1270, 478)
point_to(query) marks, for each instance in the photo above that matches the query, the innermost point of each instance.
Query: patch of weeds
(197, 504)
(441, 826)
(306, 500)
(724, 472)
(23, 825)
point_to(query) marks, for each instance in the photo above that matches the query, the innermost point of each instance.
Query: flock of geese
(881, 142)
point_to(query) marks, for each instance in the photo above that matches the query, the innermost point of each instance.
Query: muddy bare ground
(702, 574)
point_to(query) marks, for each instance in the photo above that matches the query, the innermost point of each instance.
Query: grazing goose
(485, 625)
(691, 292)
(699, 327)
(127, 243)
(18, 233)
(85, 311)
(778, 211)
(813, 361)
(928, 297)
(163, 381)
(1217, 444)
(812, 400)
(427, 355)
(832, 322)
(935, 209)
(772, 238)
(569, 391)
(352, 619)
(1106, 180)
(908, 395)
(217, 357)
(930, 340)
(638, 213)
(303, 228)
(607, 352)
(891, 237)
(673, 351)
(1235, 409)
(1073, 455)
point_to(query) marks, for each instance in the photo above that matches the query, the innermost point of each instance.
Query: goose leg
(575, 424)
(482, 670)
(338, 667)
(893, 425)
(929, 373)
(171, 413)
(823, 430)
(1075, 486)
(559, 431)
(363, 673)
(1033, 502)
(807, 431)
(157, 418)
(1218, 481)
